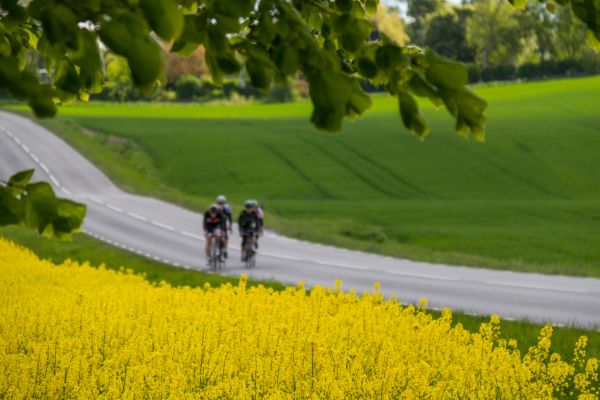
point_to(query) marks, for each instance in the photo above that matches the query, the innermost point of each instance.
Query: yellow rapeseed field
(72, 331)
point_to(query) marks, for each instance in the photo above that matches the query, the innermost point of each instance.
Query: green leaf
(468, 110)
(11, 209)
(116, 35)
(446, 73)
(5, 47)
(43, 106)
(420, 87)
(344, 5)
(66, 77)
(228, 64)
(40, 206)
(411, 116)
(371, 6)
(358, 102)
(194, 29)
(69, 219)
(367, 67)
(286, 58)
(60, 25)
(89, 61)
(389, 56)
(355, 34)
(235, 8)
(18, 182)
(260, 76)
(145, 62)
(329, 92)
(164, 17)
(518, 3)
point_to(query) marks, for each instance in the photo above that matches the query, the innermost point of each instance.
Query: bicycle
(215, 259)
(248, 253)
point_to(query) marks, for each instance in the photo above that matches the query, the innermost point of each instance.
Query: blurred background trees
(500, 42)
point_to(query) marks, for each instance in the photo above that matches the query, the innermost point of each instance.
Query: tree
(447, 34)
(177, 66)
(187, 87)
(543, 23)
(419, 11)
(327, 41)
(118, 81)
(387, 21)
(495, 31)
(569, 35)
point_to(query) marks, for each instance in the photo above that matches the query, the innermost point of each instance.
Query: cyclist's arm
(241, 228)
(205, 225)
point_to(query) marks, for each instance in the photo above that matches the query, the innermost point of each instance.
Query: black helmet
(248, 204)
(214, 209)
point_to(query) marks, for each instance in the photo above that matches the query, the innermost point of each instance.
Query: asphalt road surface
(171, 234)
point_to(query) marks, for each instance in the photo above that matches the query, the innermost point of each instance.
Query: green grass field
(527, 199)
(85, 249)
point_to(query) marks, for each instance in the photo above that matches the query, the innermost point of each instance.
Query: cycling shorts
(213, 229)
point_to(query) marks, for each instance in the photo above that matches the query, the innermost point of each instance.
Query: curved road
(171, 234)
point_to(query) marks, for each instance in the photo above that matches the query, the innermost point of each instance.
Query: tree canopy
(329, 42)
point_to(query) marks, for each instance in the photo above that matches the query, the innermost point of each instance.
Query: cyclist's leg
(243, 246)
(225, 241)
(207, 244)
(217, 233)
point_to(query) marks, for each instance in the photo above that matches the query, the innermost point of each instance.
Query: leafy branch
(36, 206)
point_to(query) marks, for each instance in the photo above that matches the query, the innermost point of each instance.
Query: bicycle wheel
(247, 254)
(213, 254)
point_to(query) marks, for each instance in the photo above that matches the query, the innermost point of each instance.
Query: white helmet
(221, 199)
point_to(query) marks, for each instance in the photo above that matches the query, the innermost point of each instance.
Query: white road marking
(167, 227)
(536, 287)
(347, 266)
(34, 157)
(114, 208)
(54, 180)
(137, 216)
(424, 276)
(66, 191)
(95, 200)
(188, 234)
(278, 256)
(26, 148)
(43, 166)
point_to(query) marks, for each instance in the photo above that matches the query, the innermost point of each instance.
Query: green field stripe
(409, 188)
(323, 193)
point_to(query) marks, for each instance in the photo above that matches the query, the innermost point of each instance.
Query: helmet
(254, 203)
(221, 199)
(214, 208)
(248, 204)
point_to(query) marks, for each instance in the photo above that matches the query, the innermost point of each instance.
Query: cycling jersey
(248, 222)
(212, 222)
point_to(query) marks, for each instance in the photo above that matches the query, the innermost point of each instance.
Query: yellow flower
(73, 331)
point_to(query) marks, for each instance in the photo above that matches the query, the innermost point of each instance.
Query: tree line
(501, 42)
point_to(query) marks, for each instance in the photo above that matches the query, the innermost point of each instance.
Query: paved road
(171, 234)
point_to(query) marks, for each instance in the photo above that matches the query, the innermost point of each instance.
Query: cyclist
(248, 224)
(226, 211)
(214, 224)
(260, 215)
